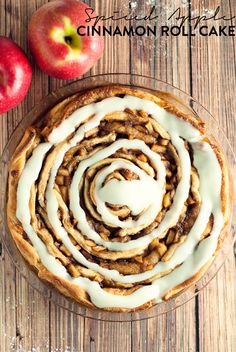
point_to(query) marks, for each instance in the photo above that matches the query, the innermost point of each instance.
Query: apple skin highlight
(15, 74)
(55, 44)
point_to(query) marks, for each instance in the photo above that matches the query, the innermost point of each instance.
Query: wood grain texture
(202, 66)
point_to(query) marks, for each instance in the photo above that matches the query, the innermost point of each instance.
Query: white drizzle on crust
(189, 257)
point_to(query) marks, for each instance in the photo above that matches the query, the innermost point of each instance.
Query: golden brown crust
(64, 109)
(33, 136)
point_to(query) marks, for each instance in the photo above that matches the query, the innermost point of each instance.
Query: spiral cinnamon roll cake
(119, 200)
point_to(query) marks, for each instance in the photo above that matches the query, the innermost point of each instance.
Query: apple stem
(1, 78)
(68, 39)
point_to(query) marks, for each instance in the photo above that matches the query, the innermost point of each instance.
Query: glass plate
(36, 115)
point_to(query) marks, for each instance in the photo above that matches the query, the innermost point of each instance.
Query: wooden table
(202, 66)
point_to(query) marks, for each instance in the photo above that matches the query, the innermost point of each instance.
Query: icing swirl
(125, 195)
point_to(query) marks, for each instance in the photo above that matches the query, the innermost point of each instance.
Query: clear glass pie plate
(35, 116)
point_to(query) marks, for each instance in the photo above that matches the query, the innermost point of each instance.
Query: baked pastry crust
(111, 128)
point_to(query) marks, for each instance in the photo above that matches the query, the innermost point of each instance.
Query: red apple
(55, 43)
(15, 74)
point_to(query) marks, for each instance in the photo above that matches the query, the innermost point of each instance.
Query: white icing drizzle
(138, 195)
(189, 256)
(78, 211)
(28, 176)
(168, 121)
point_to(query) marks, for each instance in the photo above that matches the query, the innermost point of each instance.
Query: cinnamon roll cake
(118, 199)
